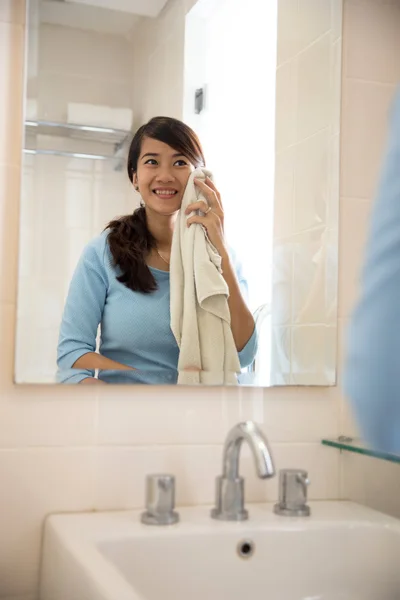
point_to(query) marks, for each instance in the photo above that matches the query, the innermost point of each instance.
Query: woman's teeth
(166, 192)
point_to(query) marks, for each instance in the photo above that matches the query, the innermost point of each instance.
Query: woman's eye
(181, 163)
(151, 161)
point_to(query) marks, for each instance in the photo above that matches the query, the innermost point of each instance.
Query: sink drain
(245, 549)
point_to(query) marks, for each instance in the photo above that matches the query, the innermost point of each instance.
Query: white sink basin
(342, 552)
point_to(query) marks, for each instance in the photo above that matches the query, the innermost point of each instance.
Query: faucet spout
(258, 443)
(229, 501)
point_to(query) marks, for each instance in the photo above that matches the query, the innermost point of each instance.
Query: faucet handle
(160, 500)
(293, 485)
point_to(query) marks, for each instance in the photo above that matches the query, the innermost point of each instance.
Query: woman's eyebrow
(156, 154)
(150, 154)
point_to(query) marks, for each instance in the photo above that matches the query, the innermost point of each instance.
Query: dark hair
(129, 239)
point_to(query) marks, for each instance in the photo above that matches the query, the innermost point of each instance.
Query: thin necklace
(162, 258)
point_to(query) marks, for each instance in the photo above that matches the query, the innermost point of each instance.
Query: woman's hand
(242, 322)
(213, 219)
(94, 360)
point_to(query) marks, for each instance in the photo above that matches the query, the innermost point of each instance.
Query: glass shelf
(358, 446)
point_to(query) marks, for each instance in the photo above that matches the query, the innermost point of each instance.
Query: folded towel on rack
(200, 317)
(96, 115)
(31, 109)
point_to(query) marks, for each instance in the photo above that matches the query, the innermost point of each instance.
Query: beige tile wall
(80, 66)
(60, 447)
(158, 54)
(371, 71)
(373, 482)
(306, 192)
(158, 63)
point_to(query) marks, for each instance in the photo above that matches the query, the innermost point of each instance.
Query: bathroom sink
(342, 552)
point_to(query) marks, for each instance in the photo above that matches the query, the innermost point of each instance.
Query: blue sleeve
(248, 353)
(73, 375)
(82, 312)
(372, 377)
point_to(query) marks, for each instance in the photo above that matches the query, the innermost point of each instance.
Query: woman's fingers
(200, 205)
(211, 184)
(213, 224)
(212, 195)
(208, 192)
(196, 219)
(208, 221)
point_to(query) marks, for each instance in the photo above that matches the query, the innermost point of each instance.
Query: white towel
(31, 109)
(200, 317)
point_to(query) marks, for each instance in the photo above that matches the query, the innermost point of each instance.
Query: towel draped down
(200, 317)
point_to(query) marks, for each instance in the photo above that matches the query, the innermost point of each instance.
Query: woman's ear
(135, 182)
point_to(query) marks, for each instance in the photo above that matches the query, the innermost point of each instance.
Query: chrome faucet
(229, 502)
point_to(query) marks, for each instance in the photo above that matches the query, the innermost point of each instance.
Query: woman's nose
(165, 175)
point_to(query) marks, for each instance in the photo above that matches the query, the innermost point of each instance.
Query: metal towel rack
(118, 138)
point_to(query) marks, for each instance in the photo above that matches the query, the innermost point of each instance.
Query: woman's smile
(165, 193)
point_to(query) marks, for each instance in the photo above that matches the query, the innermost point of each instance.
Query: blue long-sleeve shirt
(135, 327)
(372, 378)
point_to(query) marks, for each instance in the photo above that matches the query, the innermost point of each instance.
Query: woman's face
(162, 175)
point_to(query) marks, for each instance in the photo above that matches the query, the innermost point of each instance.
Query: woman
(122, 279)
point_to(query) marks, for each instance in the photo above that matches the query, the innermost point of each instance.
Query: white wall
(237, 131)
(236, 126)
(70, 449)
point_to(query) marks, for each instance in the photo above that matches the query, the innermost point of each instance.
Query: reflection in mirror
(179, 196)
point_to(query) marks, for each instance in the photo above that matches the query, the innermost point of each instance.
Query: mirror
(259, 85)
